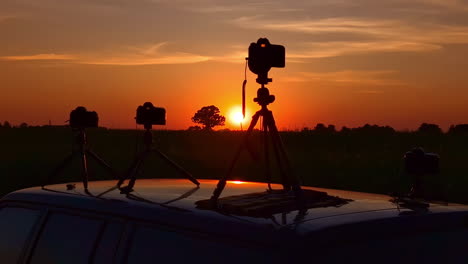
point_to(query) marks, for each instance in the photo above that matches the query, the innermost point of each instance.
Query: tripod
(142, 156)
(82, 152)
(270, 135)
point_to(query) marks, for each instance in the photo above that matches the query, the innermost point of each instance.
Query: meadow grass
(354, 161)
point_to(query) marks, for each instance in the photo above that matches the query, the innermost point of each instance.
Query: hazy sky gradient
(389, 62)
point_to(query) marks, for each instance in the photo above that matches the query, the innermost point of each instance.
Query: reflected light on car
(237, 182)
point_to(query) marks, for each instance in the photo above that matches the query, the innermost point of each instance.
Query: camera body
(148, 115)
(81, 118)
(263, 56)
(417, 161)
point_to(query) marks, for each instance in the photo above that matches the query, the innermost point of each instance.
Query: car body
(160, 222)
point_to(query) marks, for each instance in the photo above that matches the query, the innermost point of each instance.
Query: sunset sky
(348, 62)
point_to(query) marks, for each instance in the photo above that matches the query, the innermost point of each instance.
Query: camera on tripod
(82, 118)
(148, 115)
(263, 56)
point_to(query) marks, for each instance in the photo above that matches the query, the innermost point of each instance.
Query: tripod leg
(222, 182)
(266, 152)
(284, 181)
(284, 178)
(134, 168)
(133, 172)
(295, 184)
(59, 168)
(102, 162)
(84, 167)
(130, 170)
(176, 166)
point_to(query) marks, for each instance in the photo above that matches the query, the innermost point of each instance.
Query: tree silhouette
(345, 129)
(374, 129)
(23, 125)
(458, 129)
(194, 128)
(209, 117)
(429, 128)
(320, 128)
(6, 124)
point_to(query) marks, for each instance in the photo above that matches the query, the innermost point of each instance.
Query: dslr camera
(417, 161)
(263, 56)
(81, 118)
(149, 115)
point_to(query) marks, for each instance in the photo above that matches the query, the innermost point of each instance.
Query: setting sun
(235, 116)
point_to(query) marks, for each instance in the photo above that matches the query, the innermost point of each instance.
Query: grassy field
(355, 161)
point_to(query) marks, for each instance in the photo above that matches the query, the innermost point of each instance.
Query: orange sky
(347, 62)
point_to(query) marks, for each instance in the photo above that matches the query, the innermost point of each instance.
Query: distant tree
(458, 129)
(374, 129)
(6, 124)
(320, 128)
(345, 129)
(429, 128)
(23, 125)
(209, 117)
(1, 125)
(194, 128)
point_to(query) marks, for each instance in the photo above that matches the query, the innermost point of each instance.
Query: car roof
(175, 201)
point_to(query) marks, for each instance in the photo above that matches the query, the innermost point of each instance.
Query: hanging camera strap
(244, 83)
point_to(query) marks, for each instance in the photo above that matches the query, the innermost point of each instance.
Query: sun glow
(235, 116)
(237, 182)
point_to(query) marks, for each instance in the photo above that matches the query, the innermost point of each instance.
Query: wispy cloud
(146, 55)
(45, 56)
(337, 48)
(177, 58)
(359, 35)
(348, 77)
(454, 5)
(370, 92)
(242, 7)
(6, 17)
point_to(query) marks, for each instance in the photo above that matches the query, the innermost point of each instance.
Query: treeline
(7, 124)
(376, 129)
(425, 128)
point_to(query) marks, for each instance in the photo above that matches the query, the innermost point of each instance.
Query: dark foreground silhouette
(355, 160)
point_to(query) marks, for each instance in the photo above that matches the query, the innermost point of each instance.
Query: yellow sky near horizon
(348, 63)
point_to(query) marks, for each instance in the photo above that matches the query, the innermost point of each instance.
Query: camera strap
(244, 83)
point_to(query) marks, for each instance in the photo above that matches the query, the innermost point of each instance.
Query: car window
(67, 239)
(16, 225)
(154, 245)
(428, 247)
(108, 243)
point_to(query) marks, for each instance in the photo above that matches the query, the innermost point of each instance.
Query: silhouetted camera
(81, 118)
(417, 161)
(148, 115)
(263, 56)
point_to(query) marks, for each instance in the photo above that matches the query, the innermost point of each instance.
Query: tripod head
(264, 97)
